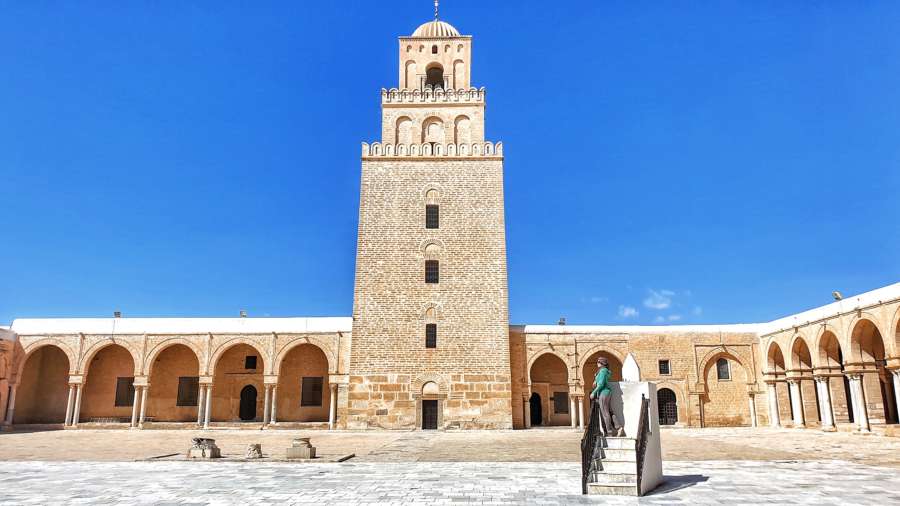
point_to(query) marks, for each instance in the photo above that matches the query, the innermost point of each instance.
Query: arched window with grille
(723, 370)
(668, 406)
(432, 210)
(430, 328)
(432, 264)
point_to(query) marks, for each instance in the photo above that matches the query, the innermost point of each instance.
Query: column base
(829, 429)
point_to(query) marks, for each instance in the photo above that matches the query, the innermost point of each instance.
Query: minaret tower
(430, 343)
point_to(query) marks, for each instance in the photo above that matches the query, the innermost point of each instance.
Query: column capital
(798, 374)
(853, 376)
(141, 381)
(270, 379)
(76, 379)
(821, 379)
(341, 379)
(206, 380)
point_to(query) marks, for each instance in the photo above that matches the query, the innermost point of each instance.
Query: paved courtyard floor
(200, 483)
(702, 466)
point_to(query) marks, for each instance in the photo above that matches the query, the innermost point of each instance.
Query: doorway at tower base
(431, 402)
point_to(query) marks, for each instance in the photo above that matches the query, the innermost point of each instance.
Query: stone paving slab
(539, 445)
(553, 483)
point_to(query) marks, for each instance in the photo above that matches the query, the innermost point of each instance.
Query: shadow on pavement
(673, 483)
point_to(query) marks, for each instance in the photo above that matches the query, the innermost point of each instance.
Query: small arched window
(434, 49)
(432, 210)
(434, 76)
(723, 370)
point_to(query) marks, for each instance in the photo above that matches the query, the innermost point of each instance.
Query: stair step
(614, 478)
(620, 443)
(617, 489)
(619, 467)
(620, 455)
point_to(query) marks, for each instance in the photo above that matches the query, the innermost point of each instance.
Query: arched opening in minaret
(434, 76)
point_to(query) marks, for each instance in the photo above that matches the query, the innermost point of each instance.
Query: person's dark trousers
(606, 413)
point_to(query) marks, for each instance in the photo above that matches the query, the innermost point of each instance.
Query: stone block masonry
(391, 369)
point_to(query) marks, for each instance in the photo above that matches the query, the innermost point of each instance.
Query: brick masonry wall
(702, 398)
(389, 362)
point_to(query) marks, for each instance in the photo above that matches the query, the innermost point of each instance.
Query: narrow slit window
(250, 362)
(431, 335)
(432, 271)
(432, 216)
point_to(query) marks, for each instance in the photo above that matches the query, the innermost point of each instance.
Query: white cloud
(659, 299)
(697, 311)
(628, 312)
(659, 319)
(596, 300)
(674, 317)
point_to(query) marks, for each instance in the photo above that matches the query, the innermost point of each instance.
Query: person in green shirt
(601, 393)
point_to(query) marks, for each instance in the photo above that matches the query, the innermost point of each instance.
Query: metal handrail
(591, 445)
(642, 437)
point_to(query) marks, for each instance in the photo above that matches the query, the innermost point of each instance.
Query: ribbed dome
(436, 29)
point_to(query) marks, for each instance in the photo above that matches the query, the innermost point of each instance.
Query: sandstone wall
(46, 364)
(389, 361)
(702, 399)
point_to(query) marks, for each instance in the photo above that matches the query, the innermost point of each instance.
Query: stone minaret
(430, 344)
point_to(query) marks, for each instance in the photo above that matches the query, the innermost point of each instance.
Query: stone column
(273, 420)
(135, 406)
(572, 412)
(581, 412)
(11, 406)
(77, 414)
(200, 398)
(896, 374)
(774, 419)
(332, 405)
(143, 404)
(527, 404)
(69, 405)
(859, 402)
(752, 403)
(826, 410)
(796, 402)
(207, 405)
(266, 404)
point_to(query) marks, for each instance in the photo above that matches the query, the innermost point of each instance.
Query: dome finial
(435, 10)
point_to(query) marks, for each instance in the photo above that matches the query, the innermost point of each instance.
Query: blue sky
(685, 162)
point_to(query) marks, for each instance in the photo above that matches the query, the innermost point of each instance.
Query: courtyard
(702, 466)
